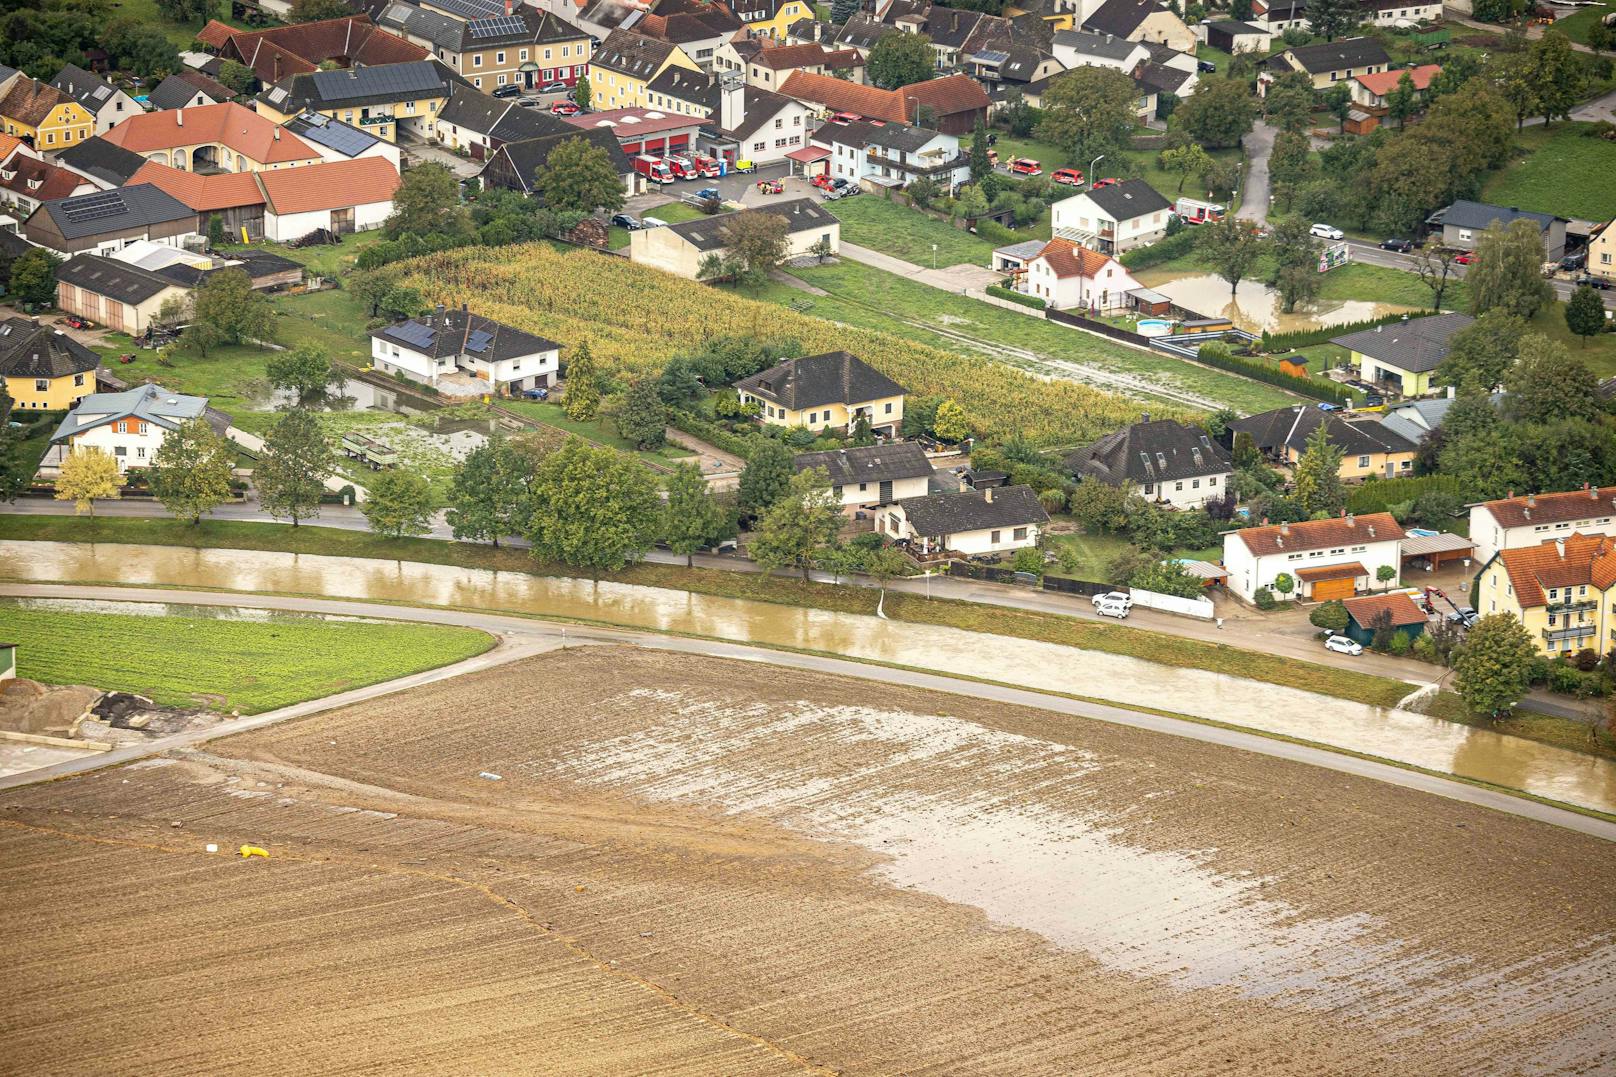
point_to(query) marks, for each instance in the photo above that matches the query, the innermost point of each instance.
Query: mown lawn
(1576, 26)
(674, 212)
(325, 261)
(331, 321)
(37, 428)
(1558, 170)
(600, 431)
(226, 665)
(231, 377)
(873, 299)
(895, 229)
(1381, 284)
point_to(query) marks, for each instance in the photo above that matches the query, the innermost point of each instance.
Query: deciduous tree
(642, 420)
(290, 476)
(582, 94)
(1585, 313)
(798, 524)
(88, 473)
(900, 59)
(427, 202)
(227, 310)
(691, 517)
(1557, 76)
(191, 470)
(1495, 665)
(33, 276)
(1332, 18)
(400, 504)
(758, 244)
(1480, 354)
(1188, 159)
(304, 370)
(1507, 274)
(1548, 383)
(237, 78)
(1330, 616)
(579, 176)
(1219, 114)
(766, 475)
(593, 508)
(1089, 111)
(1289, 101)
(1296, 262)
(1434, 265)
(1318, 475)
(1232, 247)
(1401, 102)
(488, 497)
(951, 424)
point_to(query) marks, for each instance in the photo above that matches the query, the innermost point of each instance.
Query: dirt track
(695, 866)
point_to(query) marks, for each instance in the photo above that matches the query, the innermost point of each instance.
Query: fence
(981, 572)
(1068, 586)
(1105, 329)
(1200, 607)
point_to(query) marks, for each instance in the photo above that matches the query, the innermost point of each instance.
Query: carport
(814, 161)
(1437, 549)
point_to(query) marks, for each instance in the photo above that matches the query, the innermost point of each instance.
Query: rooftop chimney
(179, 117)
(1284, 528)
(1352, 520)
(1531, 501)
(277, 134)
(988, 494)
(1559, 548)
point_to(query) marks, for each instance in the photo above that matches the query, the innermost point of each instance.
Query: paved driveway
(1254, 203)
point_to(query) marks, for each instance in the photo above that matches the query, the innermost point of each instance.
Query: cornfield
(636, 318)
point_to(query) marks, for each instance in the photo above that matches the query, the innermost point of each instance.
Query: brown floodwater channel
(1388, 733)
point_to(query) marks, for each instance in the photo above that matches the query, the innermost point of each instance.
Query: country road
(522, 637)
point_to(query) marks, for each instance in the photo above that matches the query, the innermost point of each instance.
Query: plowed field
(697, 866)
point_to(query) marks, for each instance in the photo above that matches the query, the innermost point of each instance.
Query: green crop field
(227, 665)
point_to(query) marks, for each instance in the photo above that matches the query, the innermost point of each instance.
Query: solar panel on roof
(101, 93)
(93, 207)
(478, 340)
(496, 27)
(471, 9)
(414, 334)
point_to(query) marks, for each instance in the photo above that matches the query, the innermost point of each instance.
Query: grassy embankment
(1555, 170)
(1150, 646)
(226, 665)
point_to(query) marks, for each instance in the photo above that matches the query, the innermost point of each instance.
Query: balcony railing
(1574, 607)
(1574, 632)
(917, 168)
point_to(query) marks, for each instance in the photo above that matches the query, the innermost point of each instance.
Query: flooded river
(1255, 306)
(1393, 734)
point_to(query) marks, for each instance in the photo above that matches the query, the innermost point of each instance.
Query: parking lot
(737, 187)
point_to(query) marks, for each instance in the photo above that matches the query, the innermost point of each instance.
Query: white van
(1119, 610)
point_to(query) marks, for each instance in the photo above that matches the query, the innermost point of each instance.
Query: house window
(546, 54)
(1363, 461)
(1019, 533)
(140, 452)
(995, 538)
(1178, 486)
(523, 55)
(78, 380)
(1213, 481)
(477, 60)
(1195, 484)
(499, 58)
(1149, 488)
(889, 404)
(119, 450)
(477, 82)
(502, 80)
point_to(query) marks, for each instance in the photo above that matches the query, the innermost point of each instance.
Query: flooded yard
(1255, 306)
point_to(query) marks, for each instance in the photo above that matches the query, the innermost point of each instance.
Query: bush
(1016, 297)
(711, 433)
(1425, 650)
(1218, 355)
(1028, 560)
(994, 232)
(1264, 598)
(1564, 679)
(1163, 250)
(1302, 338)
(1400, 644)
(1380, 495)
(1586, 660)
(1330, 616)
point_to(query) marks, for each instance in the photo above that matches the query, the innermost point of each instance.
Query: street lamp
(934, 256)
(1092, 165)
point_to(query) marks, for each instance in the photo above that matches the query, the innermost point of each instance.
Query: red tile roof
(202, 193)
(30, 102)
(215, 35)
(1579, 559)
(234, 126)
(842, 96)
(1320, 534)
(1553, 508)
(1382, 83)
(1070, 259)
(293, 50)
(1351, 570)
(336, 185)
(947, 95)
(1402, 608)
(786, 56)
(48, 180)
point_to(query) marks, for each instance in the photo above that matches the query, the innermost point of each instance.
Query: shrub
(1564, 679)
(1330, 616)
(1163, 250)
(1219, 355)
(1380, 495)
(1586, 660)
(1302, 338)
(1016, 297)
(1028, 560)
(1264, 598)
(1400, 644)
(1425, 650)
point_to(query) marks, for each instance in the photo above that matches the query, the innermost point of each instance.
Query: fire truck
(1194, 211)
(654, 169)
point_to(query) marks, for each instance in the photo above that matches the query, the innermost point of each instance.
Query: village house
(1331, 62)
(952, 104)
(768, 68)
(107, 221)
(831, 391)
(301, 48)
(1397, 610)
(1065, 276)
(892, 154)
(42, 116)
(44, 369)
(234, 197)
(129, 426)
(1602, 251)
(754, 124)
(1113, 220)
(464, 354)
(970, 523)
(342, 197)
(1403, 356)
(188, 89)
(515, 164)
(770, 18)
(1141, 20)
(623, 67)
(1372, 91)
(865, 476)
(1082, 48)
(1160, 460)
(103, 164)
(1370, 447)
(681, 248)
(476, 123)
(1463, 223)
(1233, 36)
(1528, 521)
(1325, 559)
(26, 180)
(108, 104)
(525, 47)
(697, 27)
(1054, 14)
(1561, 590)
(338, 141)
(216, 138)
(387, 101)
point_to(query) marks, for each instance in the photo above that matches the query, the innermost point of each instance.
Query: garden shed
(1407, 617)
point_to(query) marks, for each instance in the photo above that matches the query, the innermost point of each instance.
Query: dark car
(708, 192)
(1593, 282)
(1572, 262)
(508, 91)
(1205, 66)
(839, 182)
(626, 220)
(1401, 246)
(540, 393)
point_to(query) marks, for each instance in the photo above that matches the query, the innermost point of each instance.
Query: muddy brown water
(1255, 306)
(1402, 736)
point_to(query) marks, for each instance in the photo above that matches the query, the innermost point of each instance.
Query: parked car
(1465, 259)
(1573, 262)
(1464, 615)
(1326, 231)
(1593, 282)
(540, 393)
(743, 165)
(510, 90)
(1343, 645)
(1113, 596)
(1401, 246)
(626, 220)
(1071, 177)
(653, 222)
(823, 182)
(1112, 609)
(1026, 166)
(1323, 406)
(1205, 67)
(530, 102)
(554, 87)
(708, 192)
(73, 321)
(564, 108)
(1109, 181)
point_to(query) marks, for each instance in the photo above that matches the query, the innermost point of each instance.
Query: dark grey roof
(434, 26)
(1290, 428)
(175, 92)
(31, 350)
(473, 109)
(526, 156)
(1155, 78)
(105, 212)
(1129, 199)
(697, 87)
(91, 91)
(381, 84)
(949, 27)
(335, 135)
(521, 123)
(861, 31)
(815, 380)
(936, 515)
(1479, 215)
(628, 53)
(1121, 17)
(98, 158)
(445, 333)
(1340, 55)
(109, 277)
(892, 136)
(1234, 28)
(759, 106)
(869, 463)
(1417, 345)
(801, 214)
(1150, 452)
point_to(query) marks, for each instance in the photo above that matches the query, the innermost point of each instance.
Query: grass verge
(223, 664)
(907, 233)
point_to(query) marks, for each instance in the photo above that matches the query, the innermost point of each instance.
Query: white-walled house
(1113, 220)
(448, 342)
(1513, 522)
(1162, 460)
(870, 475)
(1065, 275)
(129, 426)
(341, 196)
(1326, 558)
(892, 153)
(970, 523)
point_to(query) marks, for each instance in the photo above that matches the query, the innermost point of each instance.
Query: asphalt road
(1370, 254)
(1259, 145)
(521, 637)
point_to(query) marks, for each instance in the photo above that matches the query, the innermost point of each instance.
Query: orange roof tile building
(219, 138)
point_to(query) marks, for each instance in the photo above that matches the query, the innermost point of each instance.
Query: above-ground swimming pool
(1154, 327)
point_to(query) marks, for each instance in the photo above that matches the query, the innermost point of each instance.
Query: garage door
(1325, 590)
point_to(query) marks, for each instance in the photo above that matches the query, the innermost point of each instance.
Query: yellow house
(43, 116)
(384, 100)
(1403, 356)
(43, 369)
(1057, 14)
(624, 65)
(825, 392)
(1602, 251)
(1561, 591)
(1369, 447)
(771, 18)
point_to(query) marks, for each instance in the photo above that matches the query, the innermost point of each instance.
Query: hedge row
(1376, 496)
(1302, 338)
(1016, 297)
(1163, 250)
(710, 432)
(1257, 370)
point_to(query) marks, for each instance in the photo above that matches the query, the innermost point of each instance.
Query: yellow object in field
(253, 850)
(244, 239)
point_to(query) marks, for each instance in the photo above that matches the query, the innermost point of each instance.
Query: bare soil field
(699, 866)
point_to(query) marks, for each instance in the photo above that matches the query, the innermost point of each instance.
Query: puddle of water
(1400, 735)
(348, 395)
(171, 609)
(1255, 306)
